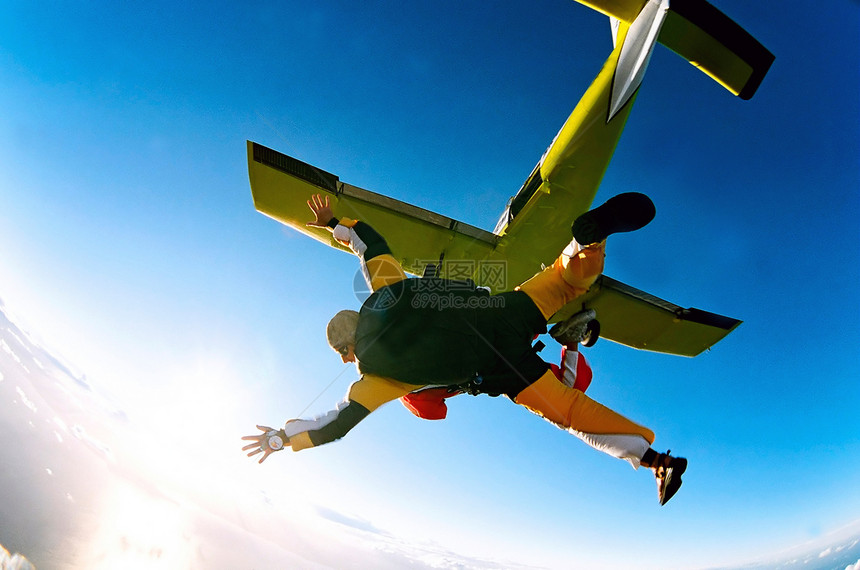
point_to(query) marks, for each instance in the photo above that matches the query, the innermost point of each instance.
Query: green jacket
(426, 331)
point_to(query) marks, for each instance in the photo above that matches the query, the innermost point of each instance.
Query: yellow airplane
(535, 226)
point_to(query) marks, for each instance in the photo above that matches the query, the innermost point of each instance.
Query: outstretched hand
(262, 443)
(321, 209)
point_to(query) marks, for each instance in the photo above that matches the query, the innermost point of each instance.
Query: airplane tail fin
(705, 37)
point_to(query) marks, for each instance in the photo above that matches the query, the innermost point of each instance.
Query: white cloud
(25, 400)
(93, 443)
(8, 350)
(13, 561)
(833, 550)
(20, 341)
(352, 522)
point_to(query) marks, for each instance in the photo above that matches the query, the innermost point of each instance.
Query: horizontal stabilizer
(707, 38)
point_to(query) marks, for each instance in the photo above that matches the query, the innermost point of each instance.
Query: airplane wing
(281, 186)
(637, 319)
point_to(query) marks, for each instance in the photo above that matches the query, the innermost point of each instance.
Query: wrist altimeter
(276, 439)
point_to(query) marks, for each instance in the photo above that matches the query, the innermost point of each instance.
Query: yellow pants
(566, 279)
(569, 277)
(593, 423)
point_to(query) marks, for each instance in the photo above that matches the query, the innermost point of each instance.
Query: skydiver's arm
(364, 396)
(379, 266)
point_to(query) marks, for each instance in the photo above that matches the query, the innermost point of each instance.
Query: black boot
(622, 213)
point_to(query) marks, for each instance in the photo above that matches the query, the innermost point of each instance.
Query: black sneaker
(668, 472)
(622, 213)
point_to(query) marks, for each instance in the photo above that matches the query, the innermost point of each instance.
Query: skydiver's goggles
(343, 351)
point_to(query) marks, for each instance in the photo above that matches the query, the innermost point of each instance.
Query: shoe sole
(625, 212)
(673, 479)
(588, 318)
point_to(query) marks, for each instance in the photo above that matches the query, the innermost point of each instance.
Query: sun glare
(192, 425)
(140, 531)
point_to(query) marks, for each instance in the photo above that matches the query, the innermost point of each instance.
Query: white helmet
(340, 331)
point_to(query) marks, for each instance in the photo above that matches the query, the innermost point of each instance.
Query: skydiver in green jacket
(412, 333)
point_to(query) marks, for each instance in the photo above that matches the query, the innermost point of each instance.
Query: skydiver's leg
(594, 423)
(578, 266)
(575, 371)
(569, 277)
(603, 429)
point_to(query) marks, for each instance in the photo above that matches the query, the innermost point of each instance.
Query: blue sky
(128, 240)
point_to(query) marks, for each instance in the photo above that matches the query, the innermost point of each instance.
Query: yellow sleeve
(372, 391)
(379, 266)
(384, 270)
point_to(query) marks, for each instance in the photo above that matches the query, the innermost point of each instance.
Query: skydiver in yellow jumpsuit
(413, 333)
